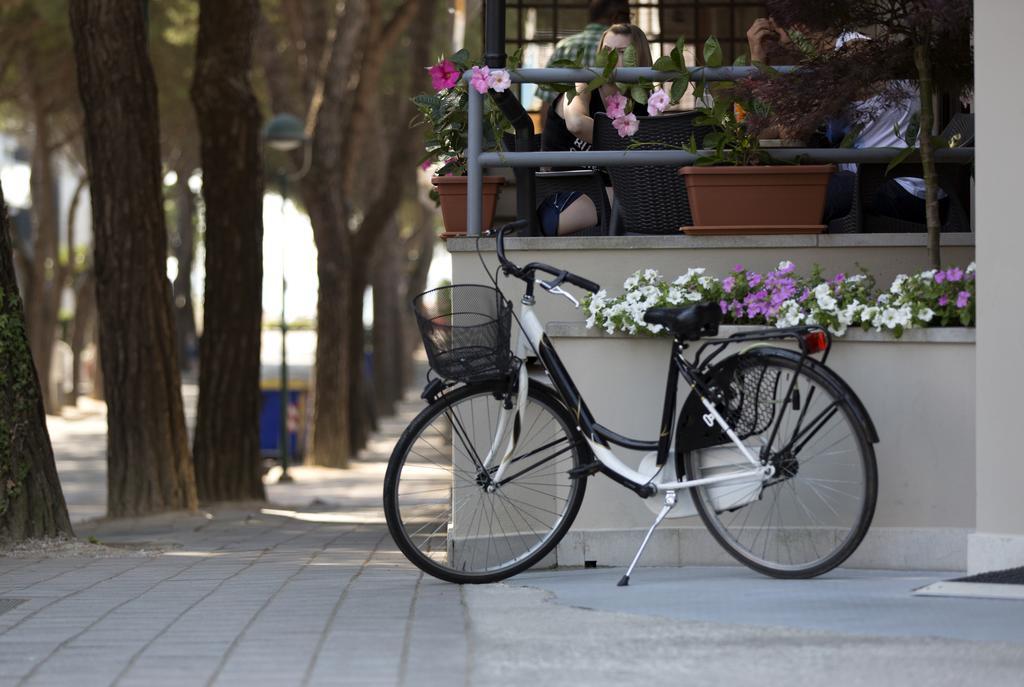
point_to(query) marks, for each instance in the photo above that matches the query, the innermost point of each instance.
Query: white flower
(655, 328)
(903, 316)
(823, 294)
(855, 279)
(970, 268)
(598, 300)
(631, 282)
(868, 314)
(838, 330)
(692, 295)
(675, 295)
(651, 275)
(705, 282)
(925, 315)
(591, 321)
(897, 284)
(883, 299)
(785, 265)
(888, 318)
(928, 275)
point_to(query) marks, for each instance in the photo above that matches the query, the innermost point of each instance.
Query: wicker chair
(652, 198)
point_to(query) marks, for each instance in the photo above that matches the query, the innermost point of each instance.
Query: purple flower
(753, 278)
(943, 300)
(940, 277)
(728, 283)
(805, 295)
(962, 299)
(839, 278)
(954, 274)
(724, 306)
(737, 268)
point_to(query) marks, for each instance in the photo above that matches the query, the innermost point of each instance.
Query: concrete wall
(999, 102)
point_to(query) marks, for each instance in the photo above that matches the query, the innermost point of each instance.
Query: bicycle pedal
(585, 470)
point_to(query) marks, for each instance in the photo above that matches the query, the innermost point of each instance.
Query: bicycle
(774, 447)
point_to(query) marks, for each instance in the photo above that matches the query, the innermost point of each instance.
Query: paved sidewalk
(310, 591)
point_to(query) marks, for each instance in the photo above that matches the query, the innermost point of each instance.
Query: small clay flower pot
(452, 191)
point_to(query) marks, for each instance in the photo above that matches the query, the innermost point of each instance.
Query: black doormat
(1008, 576)
(9, 604)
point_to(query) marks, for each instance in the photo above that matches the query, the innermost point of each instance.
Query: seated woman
(571, 127)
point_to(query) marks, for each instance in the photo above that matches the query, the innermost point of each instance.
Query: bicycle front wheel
(814, 511)
(454, 517)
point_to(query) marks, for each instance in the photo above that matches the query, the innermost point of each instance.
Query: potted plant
(444, 117)
(737, 188)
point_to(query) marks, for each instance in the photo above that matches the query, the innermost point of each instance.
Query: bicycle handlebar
(525, 272)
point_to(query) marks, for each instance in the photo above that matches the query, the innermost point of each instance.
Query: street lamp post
(285, 134)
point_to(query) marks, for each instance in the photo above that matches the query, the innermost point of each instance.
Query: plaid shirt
(567, 48)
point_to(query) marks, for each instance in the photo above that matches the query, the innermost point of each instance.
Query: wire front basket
(466, 330)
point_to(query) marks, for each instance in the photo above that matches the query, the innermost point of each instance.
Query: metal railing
(513, 109)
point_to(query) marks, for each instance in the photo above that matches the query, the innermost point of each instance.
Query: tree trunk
(184, 250)
(31, 500)
(85, 315)
(388, 319)
(148, 464)
(227, 439)
(44, 289)
(331, 437)
(362, 417)
(421, 247)
(931, 177)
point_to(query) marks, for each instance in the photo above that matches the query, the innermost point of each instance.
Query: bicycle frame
(533, 340)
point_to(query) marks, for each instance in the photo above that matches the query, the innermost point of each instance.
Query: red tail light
(815, 342)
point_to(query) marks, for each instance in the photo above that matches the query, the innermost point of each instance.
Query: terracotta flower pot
(786, 199)
(452, 190)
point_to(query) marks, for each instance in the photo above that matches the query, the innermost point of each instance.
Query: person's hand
(760, 34)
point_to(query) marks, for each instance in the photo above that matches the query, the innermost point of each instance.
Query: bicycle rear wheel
(445, 510)
(815, 510)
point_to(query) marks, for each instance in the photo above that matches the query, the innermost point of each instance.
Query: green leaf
(610, 62)
(851, 137)
(678, 89)
(665, 64)
(596, 83)
(460, 57)
(712, 52)
(677, 59)
(741, 61)
(692, 145)
(629, 57)
(639, 94)
(899, 157)
(565, 63)
(705, 161)
(698, 90)
(515, 60)
(712, 139)
(680, 45)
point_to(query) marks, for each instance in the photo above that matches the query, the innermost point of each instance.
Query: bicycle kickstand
(670, 502)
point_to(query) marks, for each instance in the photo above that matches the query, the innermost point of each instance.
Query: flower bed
(783, 298)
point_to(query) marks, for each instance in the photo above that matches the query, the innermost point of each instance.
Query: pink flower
(499, 80)
(627, 125)
(962, 299)
(443, 75)
(425, 165)
(657, 103)
(479, 79)
(615, 106)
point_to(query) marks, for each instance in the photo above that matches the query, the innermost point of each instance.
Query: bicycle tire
(844, 488)
(505, 519)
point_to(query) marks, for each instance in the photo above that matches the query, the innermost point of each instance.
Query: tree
(38, 82)
(926, 39)
(148, 463)
(31, 500)
(327, 60)
(226, 449)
